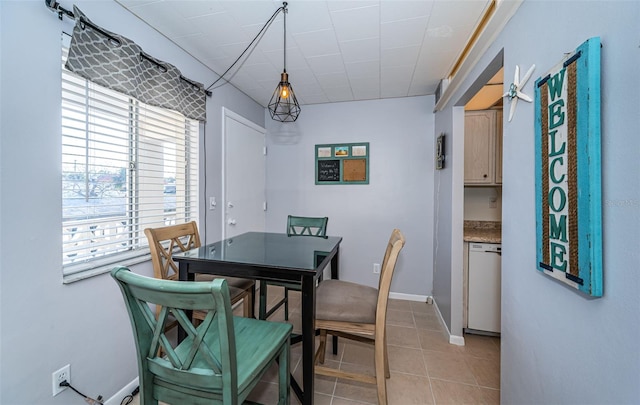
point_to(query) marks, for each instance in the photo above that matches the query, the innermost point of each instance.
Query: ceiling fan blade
(523, 96)
(527, 76)
(513, 108)
(516, 76)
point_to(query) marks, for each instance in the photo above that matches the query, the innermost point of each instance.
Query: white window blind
(126, 166)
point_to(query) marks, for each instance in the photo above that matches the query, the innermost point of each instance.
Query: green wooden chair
(220, 361)
(296, 226)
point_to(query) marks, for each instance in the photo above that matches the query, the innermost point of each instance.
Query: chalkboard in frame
(342, 163)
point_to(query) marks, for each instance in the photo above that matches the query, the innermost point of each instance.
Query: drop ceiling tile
(304, 75)
(250, 12)
(360, 50)
(406, 55)
(439, 31)
(261, 70)
(332, 80)
(151, 12)
(256, 57)
(248, 83)
(366, 69)
(352, 24)
(315, 99)
(436, 67)
(401, 10)
(366, 94)
(220, 27)
(350, 4)
(403, 32)
(338, 94)
(352, 43)
(308, 16)
(463, 13)
(307, 88)
(360, 85)
(326, 64)
(295, 59)
(317, 43)
(190, 9)
(395, 81)
(272, 39)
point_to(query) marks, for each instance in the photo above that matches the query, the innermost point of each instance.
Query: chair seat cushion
(343, 301)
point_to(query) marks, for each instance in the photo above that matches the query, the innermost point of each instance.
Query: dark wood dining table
(276, 257)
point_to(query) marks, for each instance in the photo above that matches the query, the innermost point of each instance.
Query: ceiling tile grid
(336, 50)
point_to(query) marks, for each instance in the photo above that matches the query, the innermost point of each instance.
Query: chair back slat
(394, 246)
(167, 240)
(192, 360)
(307, 226)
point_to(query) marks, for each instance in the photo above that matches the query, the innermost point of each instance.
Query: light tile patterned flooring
(425, 368)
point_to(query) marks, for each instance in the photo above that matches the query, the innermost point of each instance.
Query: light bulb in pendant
(284, 91)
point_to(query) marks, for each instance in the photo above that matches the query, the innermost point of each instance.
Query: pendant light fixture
(284, 105)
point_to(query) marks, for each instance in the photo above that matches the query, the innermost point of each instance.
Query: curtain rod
(57, 8)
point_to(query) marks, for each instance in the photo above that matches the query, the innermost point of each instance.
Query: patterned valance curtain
(118, 63)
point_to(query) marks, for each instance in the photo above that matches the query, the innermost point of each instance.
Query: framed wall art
(568, 170)
(440, 152)
(343, 163)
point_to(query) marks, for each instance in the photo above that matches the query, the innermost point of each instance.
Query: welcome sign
(568, 179)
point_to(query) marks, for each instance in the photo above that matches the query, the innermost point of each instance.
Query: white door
(243, 175)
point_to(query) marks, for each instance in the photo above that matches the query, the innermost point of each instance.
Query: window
(126, 166)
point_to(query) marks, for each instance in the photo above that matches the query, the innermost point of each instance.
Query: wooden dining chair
(168, 240)
(296, 226)
(358, 312)
(221, 360)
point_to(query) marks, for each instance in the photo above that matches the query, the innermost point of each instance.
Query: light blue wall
(45, 324)
(557, 345)
(399, 193)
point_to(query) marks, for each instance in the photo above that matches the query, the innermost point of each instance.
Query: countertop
(483, 231)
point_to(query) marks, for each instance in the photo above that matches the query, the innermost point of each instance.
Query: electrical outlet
(64, 374)
(376, 268)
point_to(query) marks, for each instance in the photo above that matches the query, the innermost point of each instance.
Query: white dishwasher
(484, 287)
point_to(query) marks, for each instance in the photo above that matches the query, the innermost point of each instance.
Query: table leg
(308, 337)
(335, 274)
(183, 275)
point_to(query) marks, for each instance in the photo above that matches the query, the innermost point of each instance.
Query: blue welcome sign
(568, 170)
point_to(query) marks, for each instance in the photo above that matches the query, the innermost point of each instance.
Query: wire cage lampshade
(284, 106)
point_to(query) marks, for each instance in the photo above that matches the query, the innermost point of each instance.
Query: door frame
(456, 333)
(227, 113)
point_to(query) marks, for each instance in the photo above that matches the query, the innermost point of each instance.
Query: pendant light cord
(257, 38)
(284, 13)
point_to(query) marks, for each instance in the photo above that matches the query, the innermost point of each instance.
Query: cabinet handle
(485, 176)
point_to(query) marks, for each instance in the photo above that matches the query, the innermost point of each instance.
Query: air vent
(442, 86)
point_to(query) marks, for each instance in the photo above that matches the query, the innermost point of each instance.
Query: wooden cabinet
(498, 160)
(483, 147)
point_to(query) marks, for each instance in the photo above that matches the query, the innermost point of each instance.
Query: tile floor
(425, 368)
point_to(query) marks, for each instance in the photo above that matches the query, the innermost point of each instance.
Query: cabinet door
(499, 147)
(479, 147)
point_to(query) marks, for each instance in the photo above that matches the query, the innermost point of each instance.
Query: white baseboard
(453, 339)
(126, 390)
(409, 297)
